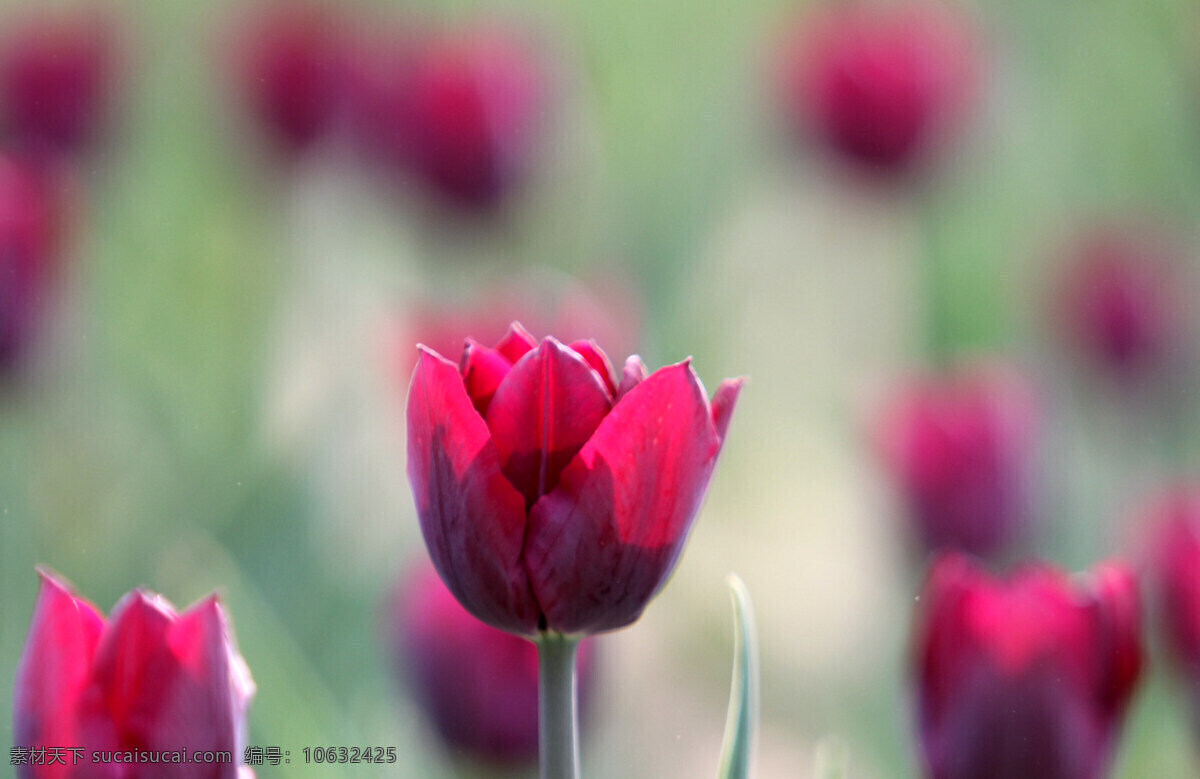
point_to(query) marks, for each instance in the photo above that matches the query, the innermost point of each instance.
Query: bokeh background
(213, 397)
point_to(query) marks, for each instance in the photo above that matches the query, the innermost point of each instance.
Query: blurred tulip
(57, 78)
(30, 223)
(1121, 302)
(962, 453)
(1174, 520)
(1027, 677)
(463, 113)
(477, 685)
(147, 680)
(879, 84)
(294, 71)
(553, 496)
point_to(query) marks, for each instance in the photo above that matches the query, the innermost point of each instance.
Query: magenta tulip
(878, 84)
(477, 685)
(1120, 304)
(117, 696)
(1027, 677)
(461, 113)
(1174, 519)
(30, 226)
(552, 495)
(961, 451)
(294, 72)
(57, 78)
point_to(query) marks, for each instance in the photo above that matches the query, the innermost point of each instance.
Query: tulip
(477, 685)
(1120, 303)
(29, 238)
(56, 81)
(1027, 677)
(961, 451)
(294, 72)
(554, 497)
(147, 680)
(878, 84)
(461, 113)
(1175, 564)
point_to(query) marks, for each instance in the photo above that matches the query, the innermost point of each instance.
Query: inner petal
(543, 413)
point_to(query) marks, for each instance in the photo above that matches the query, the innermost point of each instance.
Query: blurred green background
(218, 403)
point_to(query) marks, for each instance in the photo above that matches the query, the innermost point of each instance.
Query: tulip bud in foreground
(29, 236)
(463, 113)
(554, 496)
(961, 451)
(146, 682)
(477, 685)
(878, 84)
(1120, 304)
(57, 77)
(1026, 677)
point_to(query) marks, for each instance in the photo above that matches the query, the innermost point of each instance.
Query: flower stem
(558, 714)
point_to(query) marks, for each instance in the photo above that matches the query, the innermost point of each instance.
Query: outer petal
(53, 671)
(1117, 609)
(472, 518)
(542, 414)
(603, 543)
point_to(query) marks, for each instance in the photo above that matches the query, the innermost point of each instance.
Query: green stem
(558, 714)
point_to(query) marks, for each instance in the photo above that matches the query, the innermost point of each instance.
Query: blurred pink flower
(461, 112)
(877, 83)
(1173, 522)
(58, 76)
(1028, 676)
(147, 679)
(293, 71)
(1121, 300)
(554, 495)
(31, 225)
(477, 685)
(961, 450)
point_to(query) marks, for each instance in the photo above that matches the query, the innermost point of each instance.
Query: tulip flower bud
(961, 451)
(57, 76)
(462, 113)
(29, 237)
(477, 685)
(293, 72)
(554, 496)
(878, 84)
(1028, 676)
(125, 696)
(1120, 302)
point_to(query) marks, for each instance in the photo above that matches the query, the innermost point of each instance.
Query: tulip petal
(603, 543)
(131, 670)
(516, 343)
(722, 404)
(543, 413)
(472, 518)
(634, 374)
(1117, 610)
(482, 371)
(595, 357)
(54, 669)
